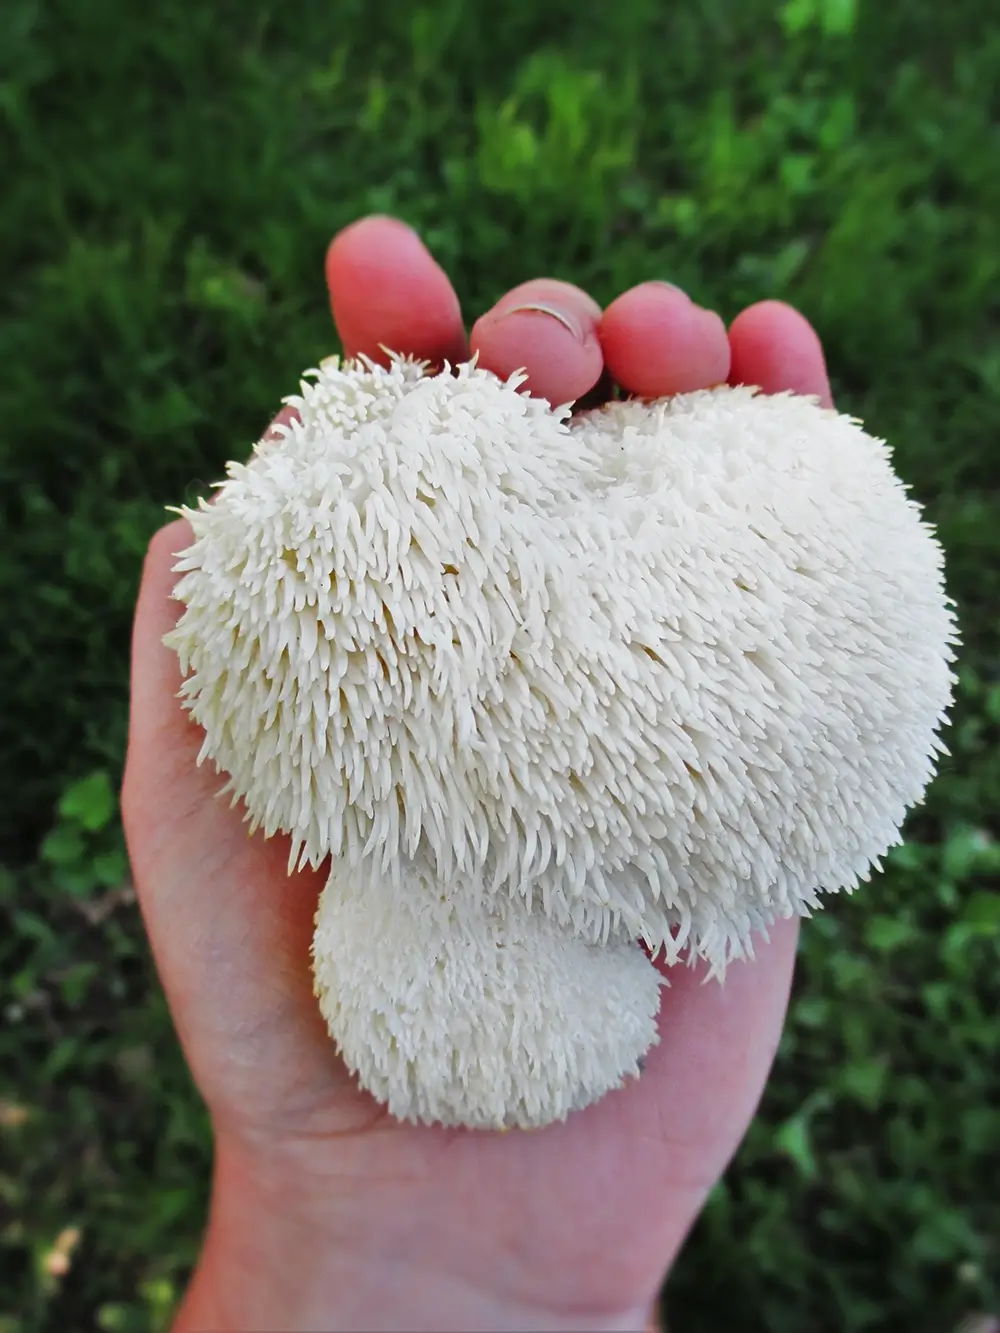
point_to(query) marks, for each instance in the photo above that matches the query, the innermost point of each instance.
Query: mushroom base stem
(454, 1012)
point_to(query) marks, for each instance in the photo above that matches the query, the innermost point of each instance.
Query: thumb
(229, 929)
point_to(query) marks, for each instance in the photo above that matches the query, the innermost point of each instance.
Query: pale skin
(326, 1212)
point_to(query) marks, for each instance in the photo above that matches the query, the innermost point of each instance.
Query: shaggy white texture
(668, 672)
(485, 1019)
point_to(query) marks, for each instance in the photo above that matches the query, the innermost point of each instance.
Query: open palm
(327, 1212)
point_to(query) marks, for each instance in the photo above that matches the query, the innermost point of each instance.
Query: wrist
(273, 1260)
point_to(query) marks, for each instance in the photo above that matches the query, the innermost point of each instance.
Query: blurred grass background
(171, 174)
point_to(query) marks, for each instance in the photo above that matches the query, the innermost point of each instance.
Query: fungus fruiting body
(545, 688)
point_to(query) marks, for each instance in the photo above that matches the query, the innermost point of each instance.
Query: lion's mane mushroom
(544, 689)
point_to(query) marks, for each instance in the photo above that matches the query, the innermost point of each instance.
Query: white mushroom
(545, 688)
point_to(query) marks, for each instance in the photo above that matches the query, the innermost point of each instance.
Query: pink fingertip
(776, 348)
(656, 341)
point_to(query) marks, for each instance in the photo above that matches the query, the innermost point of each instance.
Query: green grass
(171, 174)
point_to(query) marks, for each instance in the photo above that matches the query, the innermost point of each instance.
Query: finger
(157, 723)
(386, 290)
(171, 803)
(166, 792)
(284, 418)
(776, 348)
(656, 341)
(549, 329)
(229, 929)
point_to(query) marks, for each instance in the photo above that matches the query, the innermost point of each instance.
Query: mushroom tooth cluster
(573, 1019)
(664, 672)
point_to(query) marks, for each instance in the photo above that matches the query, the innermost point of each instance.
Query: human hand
(326, 1212)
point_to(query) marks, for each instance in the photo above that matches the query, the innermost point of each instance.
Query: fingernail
(539, 308)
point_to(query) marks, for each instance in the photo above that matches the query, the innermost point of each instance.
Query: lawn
(171, 174)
